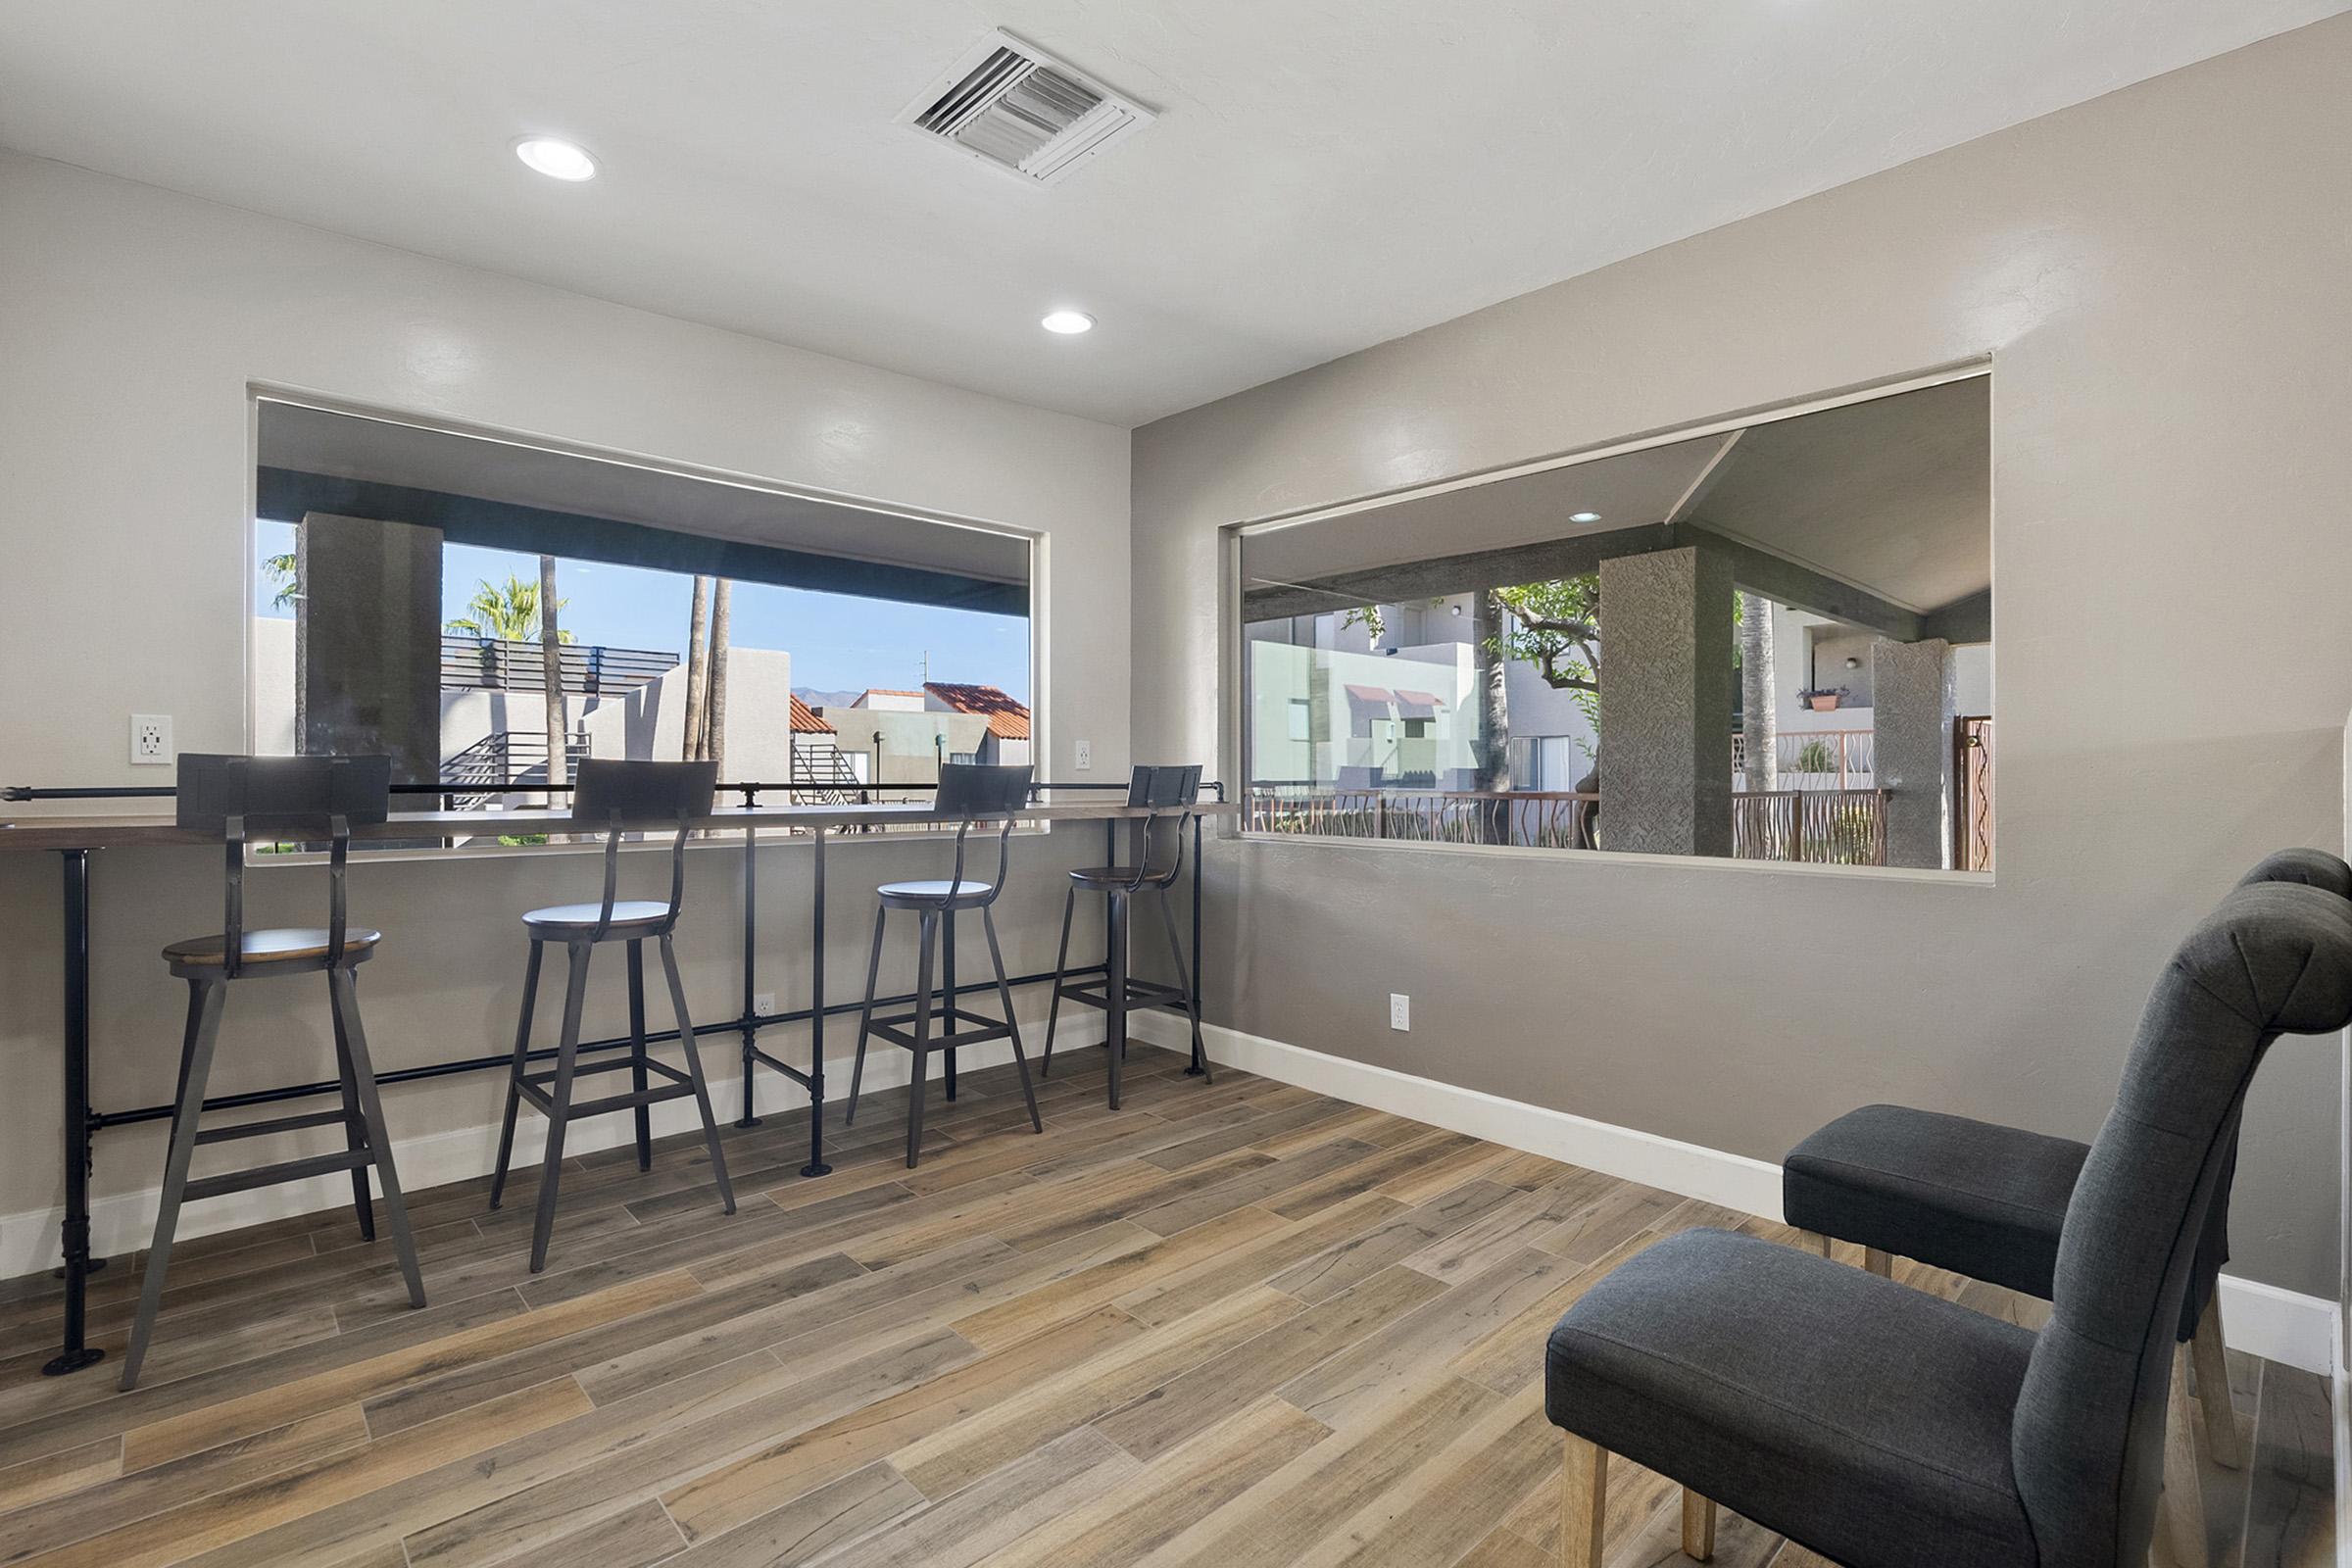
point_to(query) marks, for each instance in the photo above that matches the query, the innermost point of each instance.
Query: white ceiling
(1325, 173)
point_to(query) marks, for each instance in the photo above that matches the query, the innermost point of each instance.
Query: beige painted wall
(2161, 275)
(131, 322)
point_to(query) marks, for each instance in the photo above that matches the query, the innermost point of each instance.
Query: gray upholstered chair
(1879, 1425)
(1987, 1201)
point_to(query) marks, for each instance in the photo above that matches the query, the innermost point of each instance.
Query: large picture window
(1769, 642)
(402, 598)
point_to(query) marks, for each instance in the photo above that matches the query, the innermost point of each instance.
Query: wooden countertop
(130, 831)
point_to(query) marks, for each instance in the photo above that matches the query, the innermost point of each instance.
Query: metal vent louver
(1015, 107)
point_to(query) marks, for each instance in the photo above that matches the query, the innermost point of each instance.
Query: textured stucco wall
(1666, 703)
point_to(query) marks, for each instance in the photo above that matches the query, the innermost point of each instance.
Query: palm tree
(508, 611)
(698, 671)
(715, 746)
(551, 662)
(285, 570)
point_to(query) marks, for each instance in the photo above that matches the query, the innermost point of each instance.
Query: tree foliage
(1555, 626)
(507, 612)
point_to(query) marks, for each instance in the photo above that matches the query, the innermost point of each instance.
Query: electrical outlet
(151, 739)
(1086, 755)
(1401, 1011)
(764, 1002)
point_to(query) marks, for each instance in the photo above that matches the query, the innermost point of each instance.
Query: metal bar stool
(968, 794)
(1169, 795)
(615, 795)
(302, 798)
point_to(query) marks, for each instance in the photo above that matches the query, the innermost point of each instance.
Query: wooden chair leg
(1879, 1263)
(1583, 1501)
(2184, 1514)
(2206, 1354)
(1698, 1526)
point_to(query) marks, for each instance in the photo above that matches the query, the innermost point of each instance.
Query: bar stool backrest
(1168, 792)
(307, 797)
(621, 794)
(974, 792)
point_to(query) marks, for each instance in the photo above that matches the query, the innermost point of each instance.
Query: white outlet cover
(1086, 755)
(764, 1003)
(151, 740)
(1401, 1010)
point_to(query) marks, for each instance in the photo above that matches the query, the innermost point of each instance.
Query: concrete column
(1666, 702)
(369, 642)
(1911, 713)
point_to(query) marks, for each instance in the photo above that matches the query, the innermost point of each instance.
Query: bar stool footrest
(897, 1029)
(290, 1170)
(1096, 993)
(274, 1124)
(536, 1093)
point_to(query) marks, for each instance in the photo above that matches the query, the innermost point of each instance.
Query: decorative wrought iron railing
(1819, 827)
(1815, 757)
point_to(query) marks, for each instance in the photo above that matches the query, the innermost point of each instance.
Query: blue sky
(836, 643)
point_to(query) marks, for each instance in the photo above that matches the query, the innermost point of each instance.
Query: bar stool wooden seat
(614, 796)
(968, 794)
(305, 800)
(1168, 794)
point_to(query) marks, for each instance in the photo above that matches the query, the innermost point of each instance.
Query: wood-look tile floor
(1228, 1326)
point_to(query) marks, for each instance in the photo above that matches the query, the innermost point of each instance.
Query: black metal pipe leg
(922, 1036)
(1199, 1066)
(817, 1165)
(750, 974)
(196, 1050)
(1115, 990)
(343, 985)
(1062, 966)
(576, 990)
(995, 956)
(1192, 1001)
(522, 1058)
(637, 1072)
(947, 991)
(75, 1234)
(866, 1016)
(694, 1073)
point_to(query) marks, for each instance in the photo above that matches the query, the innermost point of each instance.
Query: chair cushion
(1861, 1418)
(282, 945)
(1976, 1199)
(625, 911)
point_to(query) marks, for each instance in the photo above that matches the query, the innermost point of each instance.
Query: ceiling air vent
(1013, 105)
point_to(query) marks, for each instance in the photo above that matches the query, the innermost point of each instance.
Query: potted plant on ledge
(1824, 699)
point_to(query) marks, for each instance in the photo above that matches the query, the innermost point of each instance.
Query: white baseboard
(2283, 1326)
(125, 1222)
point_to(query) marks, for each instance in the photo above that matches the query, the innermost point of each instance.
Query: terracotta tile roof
(1007, 719)
(805, 721)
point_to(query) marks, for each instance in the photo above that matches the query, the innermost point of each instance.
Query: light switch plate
(151, 740)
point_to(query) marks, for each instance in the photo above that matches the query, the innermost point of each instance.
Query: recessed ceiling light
(1068, 323)
(1583, 516)
(556, 159)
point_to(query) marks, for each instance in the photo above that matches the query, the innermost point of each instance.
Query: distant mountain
(816, 698)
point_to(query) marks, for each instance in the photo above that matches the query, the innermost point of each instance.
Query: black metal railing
(588, 670)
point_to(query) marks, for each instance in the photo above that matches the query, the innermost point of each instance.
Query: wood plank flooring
(1230, 1326)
